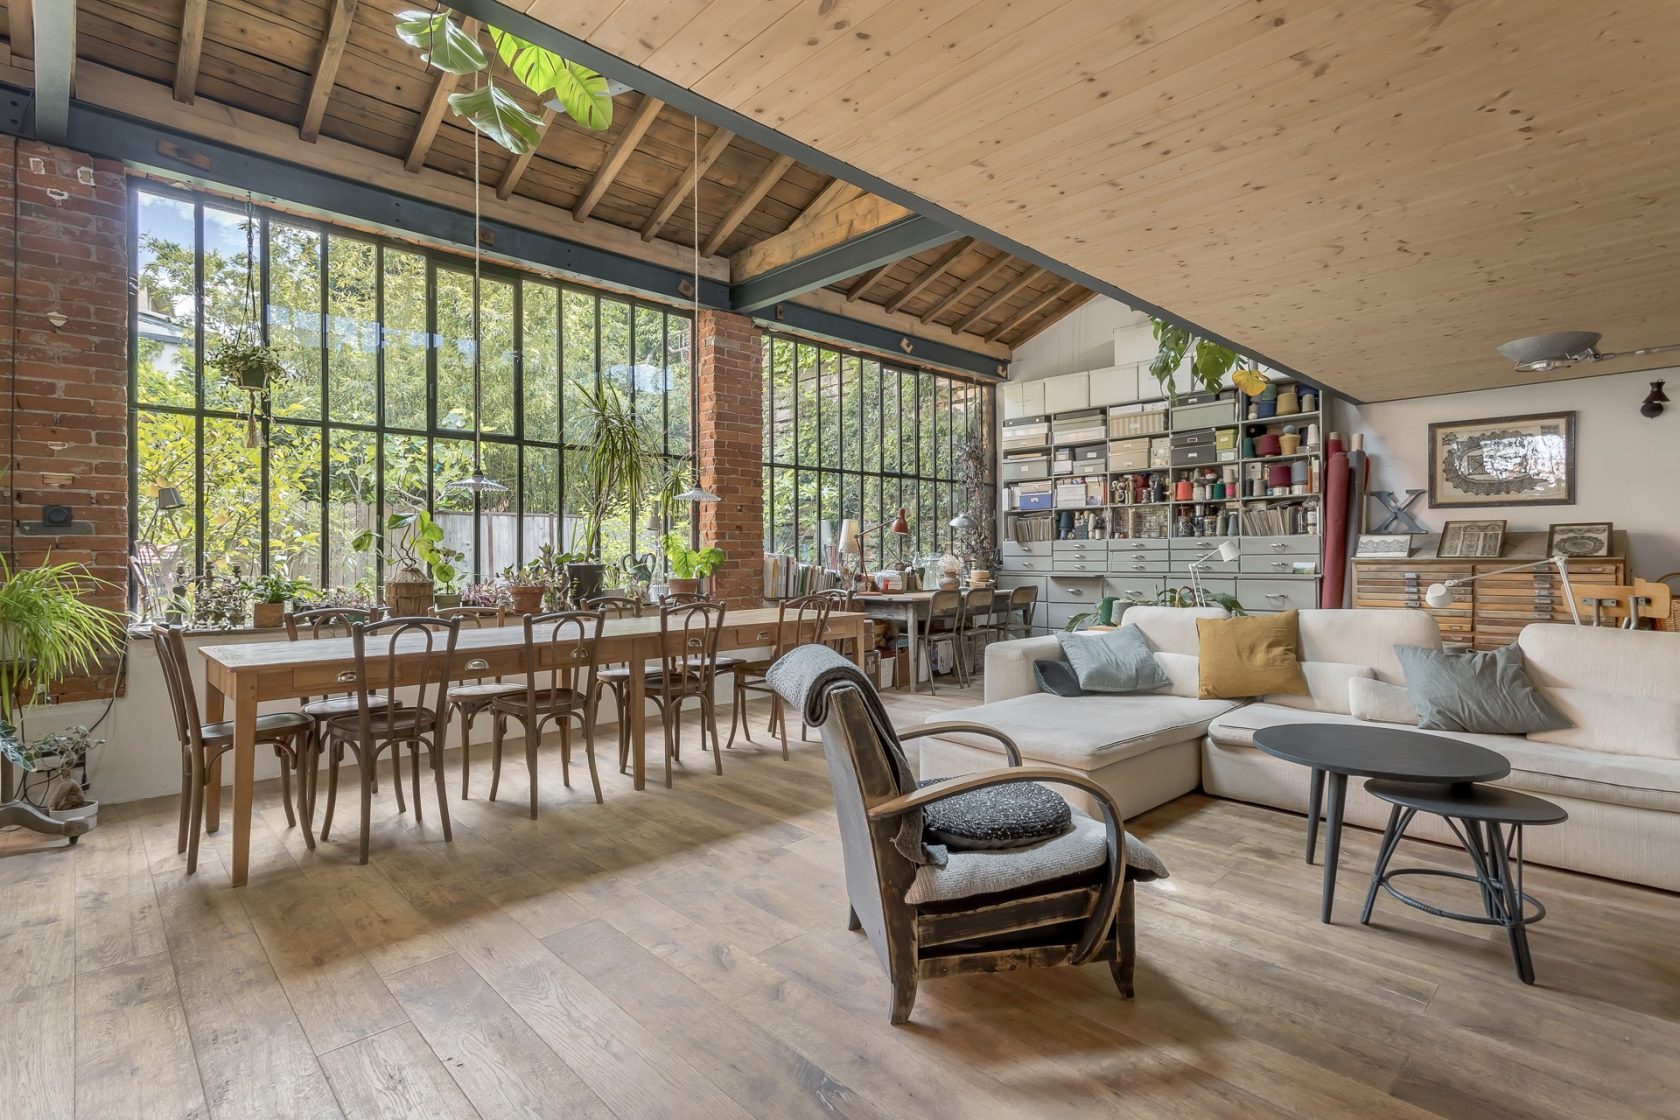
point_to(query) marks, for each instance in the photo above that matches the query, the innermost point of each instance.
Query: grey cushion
(1006, 816)
(1487, 693)
(1085, 846)
(1057, 678)
(1113, 660)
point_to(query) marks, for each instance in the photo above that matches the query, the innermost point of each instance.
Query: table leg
(1512, 902)
(1398, 819)
(635, 706)
(215, 711)
(244, 767)
(860, 641)
(1333, 843)
(1315, 805)
(910, 645)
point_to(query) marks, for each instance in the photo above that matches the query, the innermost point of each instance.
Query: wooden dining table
(245, 674)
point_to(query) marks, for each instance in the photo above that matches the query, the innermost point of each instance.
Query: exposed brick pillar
(65, 412)
(729, 381)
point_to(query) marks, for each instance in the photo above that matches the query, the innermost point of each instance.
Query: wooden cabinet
(1067, 393)
(1023, 398)
(1492, 611)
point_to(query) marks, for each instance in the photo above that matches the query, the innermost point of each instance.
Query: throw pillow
(1486, 693)
(1057, 678)
(1182, 672)
(1380, 702)
(1112, 660)
(1009, 816)
(1250, 655)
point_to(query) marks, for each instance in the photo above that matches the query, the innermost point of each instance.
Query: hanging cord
(478, 327)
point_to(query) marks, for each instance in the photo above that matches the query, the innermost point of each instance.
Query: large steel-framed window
(377, 416)
(846, 435)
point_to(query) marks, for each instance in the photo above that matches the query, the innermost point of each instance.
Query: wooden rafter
(516, 167)
(982, 274)
(1032, 309)
(1058, 313)
(616, 155)
(997, 299)
(867, 281)
(442, 86)
(685, 183)
(836, 194)
(744, 206)
(343, 13)
(808, 236)
(23, 28)
(191, 49)
(934, 272)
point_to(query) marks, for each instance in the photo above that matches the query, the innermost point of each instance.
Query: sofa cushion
(1113, 660)
(1603, 659)
(1249, 656)
(1085, 846)
(1366, 637)
(1606, 721)
(1088, 731)
(1184, 673)
(1171, 629)
(1476, 691)
(1381, 702)
(1016, 815)
(1327, 686)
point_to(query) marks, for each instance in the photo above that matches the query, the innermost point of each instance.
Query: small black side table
(1337, 750)
(1478, 816)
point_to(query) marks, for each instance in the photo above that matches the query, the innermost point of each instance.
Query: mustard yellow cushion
(1250, 655)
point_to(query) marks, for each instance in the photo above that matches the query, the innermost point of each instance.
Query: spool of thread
(1335, 445)
(1298, 473)
(1270, 392)
(1288, 401)
(1312, 435)
(1219, 491)
(1309, 401)
(1185, 490)
(1278, 476)
(1248, 447)
(1289, 443)
(1264, 408)
(1268, 444)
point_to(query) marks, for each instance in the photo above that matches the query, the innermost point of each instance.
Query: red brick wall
(64, 415)
(729, 382)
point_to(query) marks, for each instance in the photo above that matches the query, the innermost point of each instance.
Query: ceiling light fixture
(1543, 353)
(697, 492)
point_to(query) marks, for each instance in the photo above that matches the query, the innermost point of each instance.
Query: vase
(527, 598)
(268, 616)
(675, 586)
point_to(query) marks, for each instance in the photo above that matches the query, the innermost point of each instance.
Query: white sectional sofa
(1617, 771)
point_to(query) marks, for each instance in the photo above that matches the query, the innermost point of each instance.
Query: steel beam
(891, 242)
(913, 350)
(55, 67)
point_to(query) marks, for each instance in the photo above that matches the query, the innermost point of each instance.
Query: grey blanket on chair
(805, 677)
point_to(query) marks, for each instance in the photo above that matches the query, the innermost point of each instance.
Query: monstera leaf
(580, 90)
(1251, 381)
(445, 45)
(495, 112)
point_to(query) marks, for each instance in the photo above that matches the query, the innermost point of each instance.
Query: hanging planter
(247, 362)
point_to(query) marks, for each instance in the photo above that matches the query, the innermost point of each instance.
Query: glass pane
(890, 420)
(164, 452)
(851, 430)
(541, 361)
(828, 420)
(807, 411)
(294, 316)
(294, 501)
(541, 482)
(166, 302)
(782, 441)
(615, 342)
(405, 339)
(678, 348)
(407, 475)
(870, 390)
(229, 297)
(352, 328)
(352, 506)
(498, 516)
(649, 374)
(232, 498)
(909, 425)
(454, 349)
(496, 374)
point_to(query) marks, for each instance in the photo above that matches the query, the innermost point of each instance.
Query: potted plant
(445, 565)
(50, 627)
(620, 463)
(486, 595)
(526, 586)
(248, 363)
(689, 566)
(408, 540)
(269, 596)
(1209, 361)
(58, 757)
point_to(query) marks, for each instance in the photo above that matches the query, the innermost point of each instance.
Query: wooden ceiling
(1373, 193)
(336, 71)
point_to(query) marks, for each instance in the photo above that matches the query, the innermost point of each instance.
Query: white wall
(1625, 467)
(1084, 340)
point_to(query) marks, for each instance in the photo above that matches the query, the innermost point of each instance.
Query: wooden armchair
(1048, 917)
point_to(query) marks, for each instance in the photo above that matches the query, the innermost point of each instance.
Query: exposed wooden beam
(871, 252)
(867, 281)
(616, 155)
(837, 193)
(54, 26)
(997, 299)
(23, 28)
(342, 14)
(807, 237)
(934, 272)
(982, 274)
(1032, 309)
(516, 167)
(191, 49)
(744, 206)
(681, 189)
(1057, 314)
(442, 86)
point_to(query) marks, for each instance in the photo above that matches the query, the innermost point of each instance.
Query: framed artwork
(1503, 461)
(1467, 540)
(1384, 546)
(1579, 538)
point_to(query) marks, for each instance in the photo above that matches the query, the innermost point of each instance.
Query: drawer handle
(1137, 567)
(1075, 590)
(477, 665)
(1278, 546)
(1027, 565)
(1280, 563)
(1276, 595)
(763, 636)
(348, 676)
(1082, 567)
(696, 643)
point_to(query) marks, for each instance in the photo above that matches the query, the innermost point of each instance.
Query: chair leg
(589, 756)
(186, 805)
(532, 733)
(498, 728)
(336, 751)
(780, 711)
(903, 998)
(1125, 933)
(927, 656)
(396, 778)
(286, 765)
(565, 753)
(414, 771)
(708, 715)
(196, 810)
(435, 750)
(368, 763)
(737, 705)
(466, 751)
(303, 757)
(665, 725)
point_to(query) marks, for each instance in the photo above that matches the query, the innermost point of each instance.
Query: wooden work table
(246, 674)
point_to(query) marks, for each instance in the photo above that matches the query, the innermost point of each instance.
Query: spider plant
(620, 463)
(50, 627)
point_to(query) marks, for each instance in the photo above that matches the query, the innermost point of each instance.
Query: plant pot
(88, 813)
(447, 599)
(251, 380)
(587, 578)
(408, 598)
(528, 600)
(675, 586)
(268, 616)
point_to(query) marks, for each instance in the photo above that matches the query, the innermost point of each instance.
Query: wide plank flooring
(684, 954)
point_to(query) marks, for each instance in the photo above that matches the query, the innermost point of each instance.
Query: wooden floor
(684, 954)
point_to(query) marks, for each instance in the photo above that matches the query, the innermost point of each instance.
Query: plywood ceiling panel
(1373, 193)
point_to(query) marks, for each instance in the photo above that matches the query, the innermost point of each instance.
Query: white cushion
(1619, 724)
(1381, 702)
(1602, 659)
(1084, 732)
(1366, 637)
(1184, 670)
(971, 873)
(1327, 686)
(1171, 629)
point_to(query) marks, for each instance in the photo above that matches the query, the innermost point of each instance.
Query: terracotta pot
(527, 600)
(408, 598)
(444, 599)
(675, 586)
(268, 616)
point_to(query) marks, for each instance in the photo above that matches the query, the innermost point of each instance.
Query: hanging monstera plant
(1209, 361)
(491, 108)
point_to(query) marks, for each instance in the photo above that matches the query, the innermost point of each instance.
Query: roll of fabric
(1335, 528)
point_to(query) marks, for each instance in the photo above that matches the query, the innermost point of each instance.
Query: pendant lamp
(697, 492)
(477, 482)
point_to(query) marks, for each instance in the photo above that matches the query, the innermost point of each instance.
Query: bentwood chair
(314, 624)
(943, 620)
(375, 728)
(471, 696)
(979, 623)
(289, 733)
(616, 676)
(809, 615)
(558, 694)
(984, 911)
(689, 635)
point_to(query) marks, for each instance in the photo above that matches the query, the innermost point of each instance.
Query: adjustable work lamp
(1440, 595)
(851, 535)
(1227, 551)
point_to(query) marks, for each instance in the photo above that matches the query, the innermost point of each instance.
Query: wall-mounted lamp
(1652, 406)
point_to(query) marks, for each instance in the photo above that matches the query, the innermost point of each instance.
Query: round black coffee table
(1339, 750)
(1479, 817)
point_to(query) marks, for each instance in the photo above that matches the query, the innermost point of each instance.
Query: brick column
(729, 382)
(64, 358)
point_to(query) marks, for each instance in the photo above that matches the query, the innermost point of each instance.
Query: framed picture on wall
(1467, 540)
(1579, 538)
(1503, 461)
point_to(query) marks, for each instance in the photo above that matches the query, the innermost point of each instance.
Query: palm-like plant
(50, 627)
(620, 463)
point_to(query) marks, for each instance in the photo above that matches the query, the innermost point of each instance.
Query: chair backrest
(690, 633)
(616, 606)
(809, 615)
(573, 641)
(945, 605)
(388, 643)
(682, 598)
(177, 680)
(325, 622)
(475, 618)
(978, 601)
(1025, 600)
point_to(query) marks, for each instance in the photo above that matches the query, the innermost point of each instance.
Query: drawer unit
(1026, 550)
(1025, 432)
(1138, 545)
(1301, 544)
(1086, 589)
(1079, 550)
(1026, 468)
(1278, 594)
(1056, 616)
(1008, 581)
(1140, 588)
(1278, 564)
(1181, 561)
(1211, 413)
(1142, 563)
(1128, 455)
